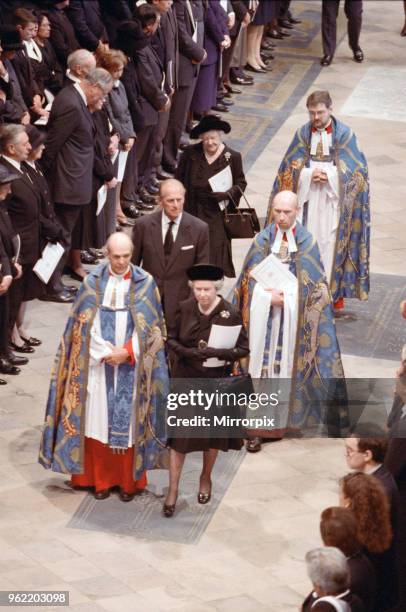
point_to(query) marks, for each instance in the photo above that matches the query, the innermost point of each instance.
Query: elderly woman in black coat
(198, 167)
(188, 338)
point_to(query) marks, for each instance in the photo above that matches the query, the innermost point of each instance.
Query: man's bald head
(285, 208)
(172, 198)
(119, 248)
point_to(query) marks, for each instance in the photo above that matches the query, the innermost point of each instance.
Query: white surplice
(261, 302)
(96, 425)
(323, 212)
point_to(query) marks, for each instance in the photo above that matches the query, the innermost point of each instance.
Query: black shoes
(32, 341)
(2, 381)
(326, 60)
(102, 494)
(358, 55)
(145, 196)
(131, 210)
(63, 297)
(253, 445)
(24, 348)
(78, 277)
(88, 258)
(253, 69)
(6, 367)
(220, 108)
(168, 510)
(285, 23)
(16, 361)
(126, 497)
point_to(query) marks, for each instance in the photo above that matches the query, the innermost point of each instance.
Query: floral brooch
(227, 155)
(225, 314)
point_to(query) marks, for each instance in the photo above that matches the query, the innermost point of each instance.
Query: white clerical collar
(13, 162)
(81, 92)
(292, 247)
(125, 276)
(323, 136)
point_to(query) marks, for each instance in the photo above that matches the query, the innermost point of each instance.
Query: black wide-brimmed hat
(35, 136)
(205, 272)
(10, 39)
(7, 176)
(208, 123)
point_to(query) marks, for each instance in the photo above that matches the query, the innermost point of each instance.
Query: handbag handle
(244, 196)
(235, 206)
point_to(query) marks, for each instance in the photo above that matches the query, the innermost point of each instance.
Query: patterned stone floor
(251, 555)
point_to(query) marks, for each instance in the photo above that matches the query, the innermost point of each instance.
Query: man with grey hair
(328, 570)
(80, 63)
(69, 155)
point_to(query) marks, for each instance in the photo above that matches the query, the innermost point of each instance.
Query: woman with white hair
(329, 573)
(188, 345)
(199, 168)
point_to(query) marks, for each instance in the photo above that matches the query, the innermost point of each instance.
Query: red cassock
(105, 469)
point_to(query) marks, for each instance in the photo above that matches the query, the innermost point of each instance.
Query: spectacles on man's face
(351, 451)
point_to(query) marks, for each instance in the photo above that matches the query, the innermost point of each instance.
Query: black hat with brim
(6, 176)
(205, 272)
(208, 123)
(10, 39)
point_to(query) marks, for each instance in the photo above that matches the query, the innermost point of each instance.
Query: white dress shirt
(165, 226)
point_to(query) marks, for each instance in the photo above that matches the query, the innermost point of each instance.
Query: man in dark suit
(353, 12)
(85, 16)
(9, 271)
(395, 462)
(168, 242)
(63, 38)
(190, 20)
(69, 155)
(165, 43)
(367, 455)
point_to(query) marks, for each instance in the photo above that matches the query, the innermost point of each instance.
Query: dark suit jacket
(25, 74)
(85, 16)
(51, 230)
(23, 205)
(63, 36)
(362, 579)
(114, 12)
(150, 73)
(165, 42)
(389, 483)
(191, 247)
(188, 49)
(69, 149)
(132, 89)
(14, 106)
(7, 252)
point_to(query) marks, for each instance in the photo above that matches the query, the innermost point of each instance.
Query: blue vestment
(350, 276)
(317, 377)
(62, 443)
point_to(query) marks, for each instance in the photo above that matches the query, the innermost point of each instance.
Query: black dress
(190, 327)
(194, 172)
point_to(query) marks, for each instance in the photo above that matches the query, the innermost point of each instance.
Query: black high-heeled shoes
(204, 498)
(168, 510)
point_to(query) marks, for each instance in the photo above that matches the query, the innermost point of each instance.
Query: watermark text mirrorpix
(198, 400)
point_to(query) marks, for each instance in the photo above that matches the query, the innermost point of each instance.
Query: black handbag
(243, 223)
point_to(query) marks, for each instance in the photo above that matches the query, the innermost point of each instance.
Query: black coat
(25, 74)
(191, 247)
(113, 13)
(8, 238)
(132, 89)
(353, 601)
(14, 107)
(51, 229)
(86, 18)
(150, 76)
(363, 579)
(24, 207)
(166, 45)
(69, 149)
(63, 38)
(188, 49)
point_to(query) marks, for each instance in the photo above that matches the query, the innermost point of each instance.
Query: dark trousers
(162, 128)
(145, 153)
(284, 11)
(4, 328)
(67, 215)
(16, 295)
(129, 186)
(353, 12)
(177, 121)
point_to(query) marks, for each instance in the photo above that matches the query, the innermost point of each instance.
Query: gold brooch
(227, 155)
(225, 314)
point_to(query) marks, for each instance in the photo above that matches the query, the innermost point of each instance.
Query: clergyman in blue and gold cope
(62, 443)
(317, 399)
(350, 268)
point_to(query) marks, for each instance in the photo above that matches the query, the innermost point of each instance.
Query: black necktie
(168, 242)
